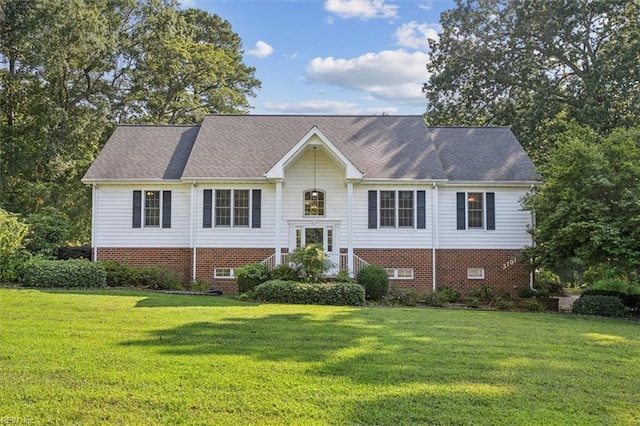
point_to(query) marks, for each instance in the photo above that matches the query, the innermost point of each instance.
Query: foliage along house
(437, 206)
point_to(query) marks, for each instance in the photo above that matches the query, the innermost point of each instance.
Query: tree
(525, 63)
(588, 207)
(72, 70)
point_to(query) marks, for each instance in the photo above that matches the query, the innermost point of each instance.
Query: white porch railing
(343, 262)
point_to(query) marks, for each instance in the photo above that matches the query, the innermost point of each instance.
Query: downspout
(533, 244)
(94, 221)
(434, 232)
(192, 236)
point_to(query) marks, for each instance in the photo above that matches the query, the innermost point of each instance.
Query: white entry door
(320, 234)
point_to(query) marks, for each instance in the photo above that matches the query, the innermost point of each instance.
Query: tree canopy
(588, 209)
(71, 71)
(525, 63)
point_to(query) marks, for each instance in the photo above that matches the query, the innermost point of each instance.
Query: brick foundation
(417, 259)
(178, 259)
(502, 272)
(211, 258)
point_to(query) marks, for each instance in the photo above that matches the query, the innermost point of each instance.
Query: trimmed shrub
(630, 301)
(39, 272)
(375, 281)
(285, 273)
(251, 275)
(595, 304)
(200, 285)
(503, 304)
(310, 294)
(436, 298)
(402, 297)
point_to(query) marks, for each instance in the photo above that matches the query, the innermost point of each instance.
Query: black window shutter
(461, 200)
(422, 210)
(137, 209)
(166, 209)
(207, 208)
(373, 209)
(256, 206)
(491, 210)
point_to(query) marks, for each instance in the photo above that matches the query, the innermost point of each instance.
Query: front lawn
(133, 357)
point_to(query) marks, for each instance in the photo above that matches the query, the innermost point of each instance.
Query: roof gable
(278, 170)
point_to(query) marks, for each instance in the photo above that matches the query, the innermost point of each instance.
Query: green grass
(126, 357)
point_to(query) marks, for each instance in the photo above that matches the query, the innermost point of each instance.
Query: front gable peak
(316, 139)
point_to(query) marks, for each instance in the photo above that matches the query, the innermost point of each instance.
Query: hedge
(310, 294)
(74, 273)
(595, 304)
(630, 301)
(119, 275)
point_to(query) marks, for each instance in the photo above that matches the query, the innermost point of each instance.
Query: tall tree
(524, 63)
(73, 69)
(589, 205)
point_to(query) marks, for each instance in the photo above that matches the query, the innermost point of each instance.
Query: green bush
(526, 292)
(547, 281)
(484, 292)
(344, 277)
(503, 304)
(474, 302)
(449, 295)
(251, 275)
(39, 272)
(311, 260)
(375, 281)
(402, 297)
(121, 275)
(595, 304)
(532, 305)
(285, 273)
(310, 294)
(200, 285)
(630, 301)
(616, 284)
(48, 229)
(436, 298)
(12, 235)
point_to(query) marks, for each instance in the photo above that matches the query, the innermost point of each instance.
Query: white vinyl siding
(115, 209)
(511, 221)
(397, 237)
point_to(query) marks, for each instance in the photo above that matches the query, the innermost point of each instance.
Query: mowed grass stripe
(132, 357)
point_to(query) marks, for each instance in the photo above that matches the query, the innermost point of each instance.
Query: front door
(320, 234)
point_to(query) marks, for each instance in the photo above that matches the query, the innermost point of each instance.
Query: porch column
(278, 222)
(350, 228)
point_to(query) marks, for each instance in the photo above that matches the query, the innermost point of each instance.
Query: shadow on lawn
(429, 365)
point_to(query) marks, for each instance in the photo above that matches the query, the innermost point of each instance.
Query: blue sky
(334, 56)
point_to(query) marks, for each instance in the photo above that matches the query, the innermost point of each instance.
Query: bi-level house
(436, 206)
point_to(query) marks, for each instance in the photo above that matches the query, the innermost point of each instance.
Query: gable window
(475, 210)
(397, 209)
(152, 211)
(314, 203)
(231, 208)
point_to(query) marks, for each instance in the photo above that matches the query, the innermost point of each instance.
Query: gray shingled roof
(144, 153)
(247, 146)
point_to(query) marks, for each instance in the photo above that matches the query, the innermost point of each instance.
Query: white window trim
(233, 208)
(475, 273)
(230, 276)
(143, 210)
(484, 211)
(394, 273)
(397, 209)
(320, 191)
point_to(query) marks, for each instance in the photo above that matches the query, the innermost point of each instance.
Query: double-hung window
(475, 210)
(151, 209)
(231, 208)
(397, 209)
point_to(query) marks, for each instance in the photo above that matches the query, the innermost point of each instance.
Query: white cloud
(416, 36)
(390, 75)
(427, 5)
(361, 9)
(262, 50)
(315, 106)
